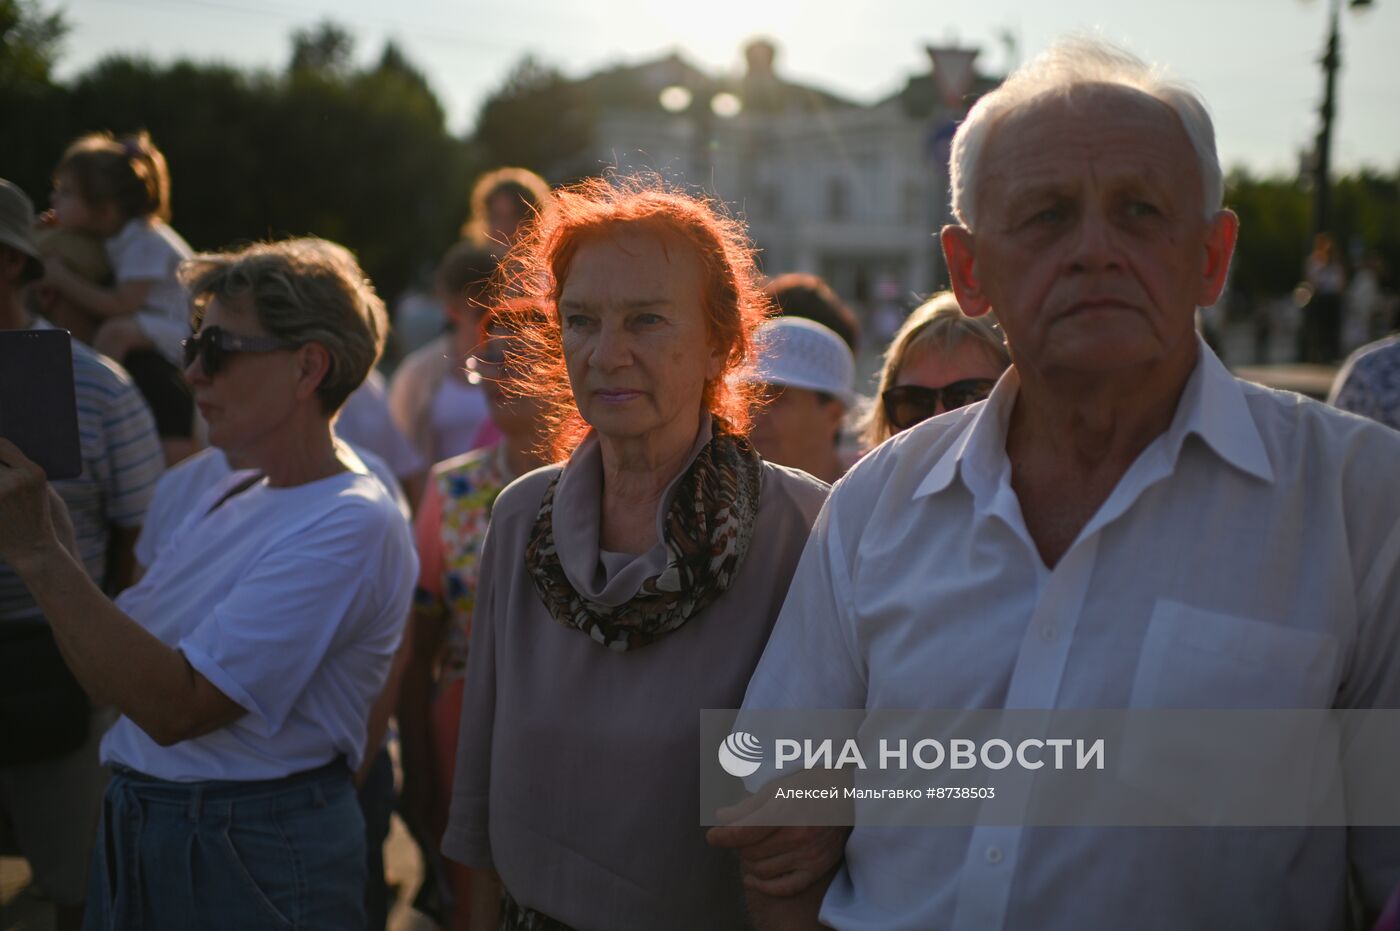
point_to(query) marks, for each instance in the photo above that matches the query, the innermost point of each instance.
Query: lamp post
(1331, 61)
(681, 102)
(953, 75)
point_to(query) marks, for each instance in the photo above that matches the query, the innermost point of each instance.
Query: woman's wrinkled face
(635, 337)
(254, 394)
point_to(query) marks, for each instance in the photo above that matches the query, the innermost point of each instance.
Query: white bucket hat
(798, 353)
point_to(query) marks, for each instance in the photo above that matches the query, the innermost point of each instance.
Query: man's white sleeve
(813, 658)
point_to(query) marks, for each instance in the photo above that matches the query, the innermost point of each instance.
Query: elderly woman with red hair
(628, 588)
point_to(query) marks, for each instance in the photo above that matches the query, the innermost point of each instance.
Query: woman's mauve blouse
(577, 771)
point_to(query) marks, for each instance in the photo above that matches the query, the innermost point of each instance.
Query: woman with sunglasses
(941, 359)
(450, 531)
(245, 661)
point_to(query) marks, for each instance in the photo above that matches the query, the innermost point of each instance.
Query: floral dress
(451, 528)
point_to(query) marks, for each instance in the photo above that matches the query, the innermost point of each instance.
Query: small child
(119, 190)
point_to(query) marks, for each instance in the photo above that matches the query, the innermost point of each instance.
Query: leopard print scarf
(706, 534)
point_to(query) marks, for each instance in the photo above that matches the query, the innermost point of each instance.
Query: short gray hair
(304, 291)
(1067, 64)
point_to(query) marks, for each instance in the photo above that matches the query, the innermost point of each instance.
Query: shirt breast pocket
(1196, 658)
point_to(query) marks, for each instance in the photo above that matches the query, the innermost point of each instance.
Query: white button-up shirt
(1247, 559)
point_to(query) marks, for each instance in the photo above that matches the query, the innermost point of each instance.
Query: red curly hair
(534, 271)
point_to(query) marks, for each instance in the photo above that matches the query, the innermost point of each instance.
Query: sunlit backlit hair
(537, 267)
(937, 325)
(129, 172)
(506, 318)
(530, 191)
(304, 291)
(1068, 64)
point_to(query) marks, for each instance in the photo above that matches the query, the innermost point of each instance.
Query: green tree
(33, 109)
(1274, 222)
(1276, 225)
(326, 48)
(1367, 209)
(30, 41)
(362, 157)
(393, 61)
(537, 119)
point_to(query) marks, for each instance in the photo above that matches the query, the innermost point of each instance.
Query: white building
(852, 192)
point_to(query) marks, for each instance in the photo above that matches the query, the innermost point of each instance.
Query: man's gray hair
(1067, 64)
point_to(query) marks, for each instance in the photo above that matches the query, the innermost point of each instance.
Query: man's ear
(958, 252)
(1221, 234)
(315, 362)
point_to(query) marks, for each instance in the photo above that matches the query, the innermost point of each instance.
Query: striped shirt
(122, 460)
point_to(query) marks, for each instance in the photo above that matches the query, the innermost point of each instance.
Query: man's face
(1091, 244)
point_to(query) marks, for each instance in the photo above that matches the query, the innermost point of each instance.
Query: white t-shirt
(458, 411)
(290, 601)
(147, 249)
(186, 482)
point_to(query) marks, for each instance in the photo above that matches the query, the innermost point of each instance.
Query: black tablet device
(38, 407)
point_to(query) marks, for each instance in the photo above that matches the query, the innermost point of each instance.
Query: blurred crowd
(598, 498)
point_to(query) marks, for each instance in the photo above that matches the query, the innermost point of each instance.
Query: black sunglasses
(906, 405)
(212, 346)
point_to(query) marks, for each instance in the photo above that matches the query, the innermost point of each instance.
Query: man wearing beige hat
(50, 781)
(808, 373)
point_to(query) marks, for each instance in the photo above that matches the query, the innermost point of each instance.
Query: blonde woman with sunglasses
(941, 359)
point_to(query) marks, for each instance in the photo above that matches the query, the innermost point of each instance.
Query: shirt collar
(1212, 406)
(981, 439)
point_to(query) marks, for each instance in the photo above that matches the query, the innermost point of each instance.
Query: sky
(1254, 61)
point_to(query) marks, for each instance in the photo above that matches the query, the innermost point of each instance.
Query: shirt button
(993, 854)
(1047, 633)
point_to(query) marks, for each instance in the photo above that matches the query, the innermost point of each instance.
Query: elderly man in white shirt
(1122, 524)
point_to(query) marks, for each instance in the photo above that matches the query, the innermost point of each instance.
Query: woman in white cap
(807, 373)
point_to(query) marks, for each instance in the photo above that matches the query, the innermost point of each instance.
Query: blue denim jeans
(377, 805)
(286, 853)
